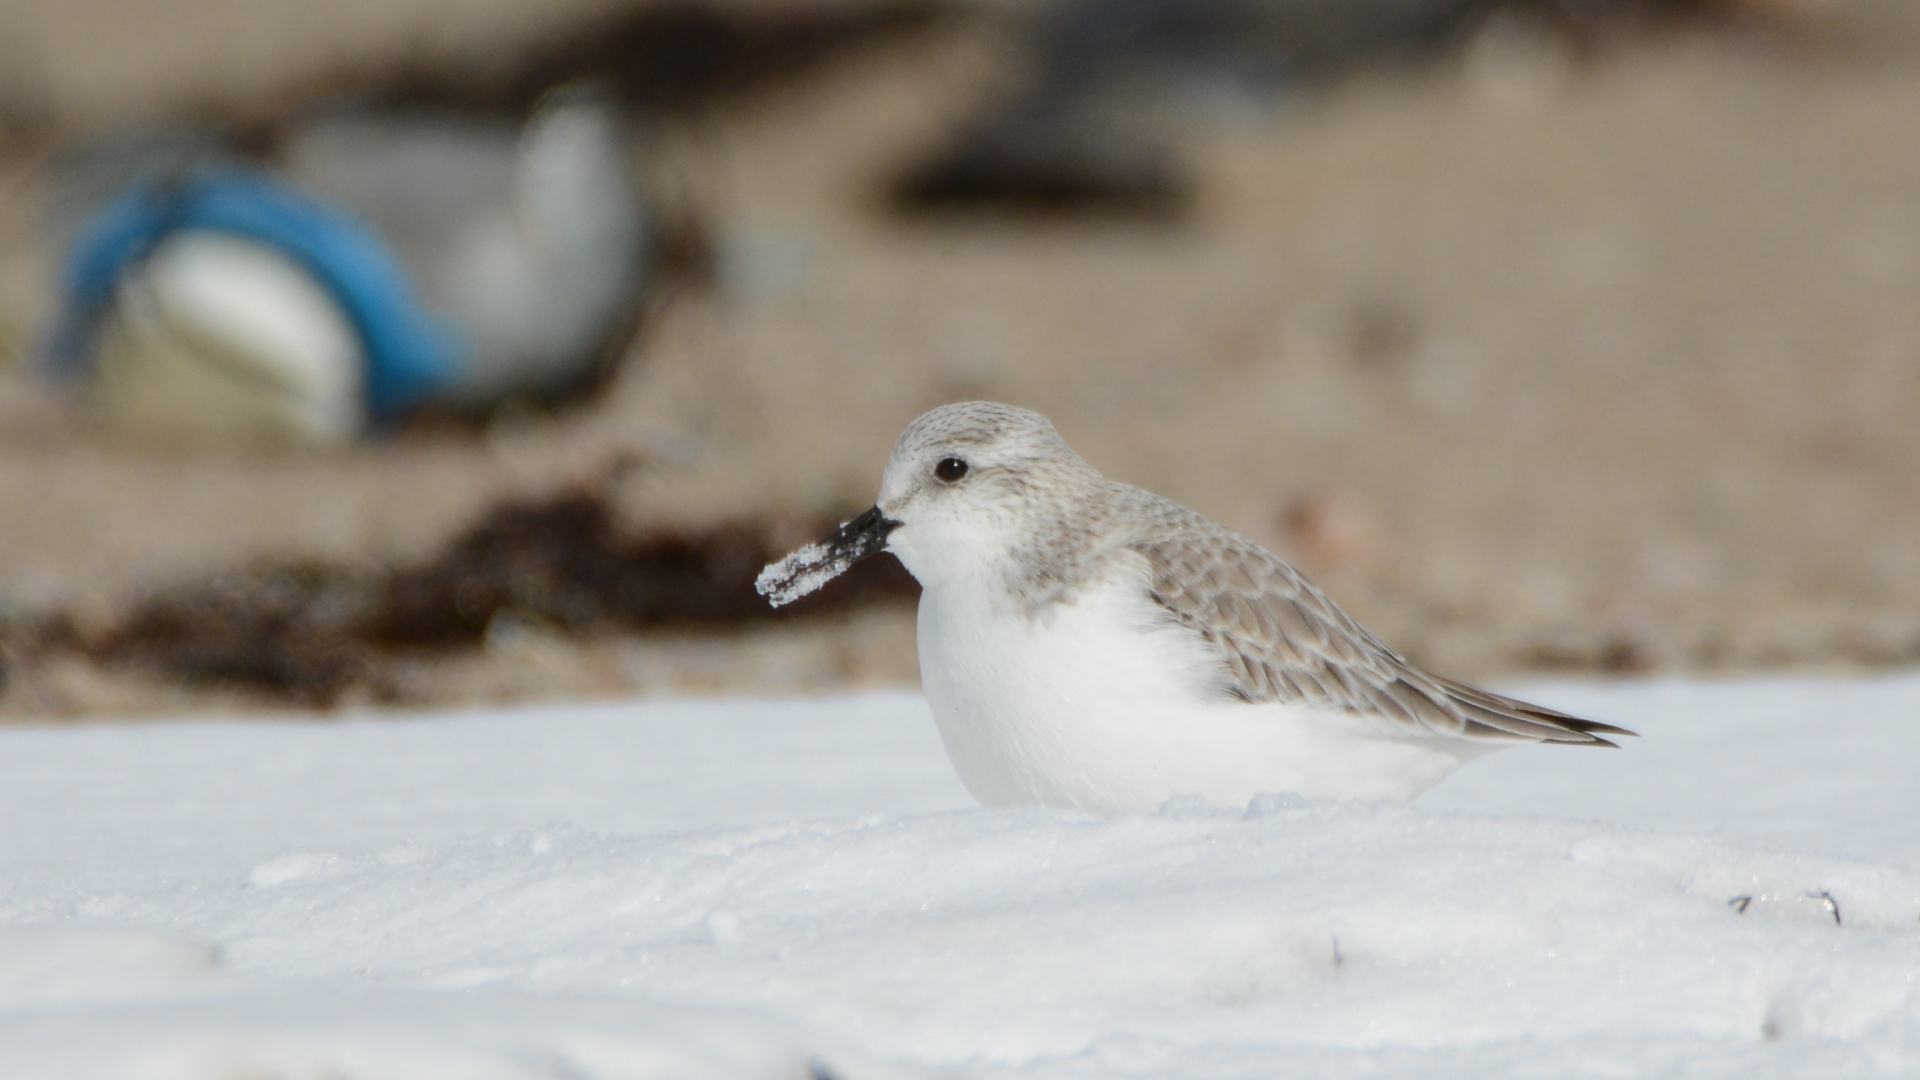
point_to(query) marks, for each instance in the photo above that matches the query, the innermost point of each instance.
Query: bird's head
(966, 486)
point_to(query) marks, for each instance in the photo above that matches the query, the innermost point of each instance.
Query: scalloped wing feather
(1284, 641)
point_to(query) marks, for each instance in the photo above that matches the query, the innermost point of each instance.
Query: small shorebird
(1085, 643)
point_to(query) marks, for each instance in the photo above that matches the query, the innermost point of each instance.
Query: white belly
(1099, 704)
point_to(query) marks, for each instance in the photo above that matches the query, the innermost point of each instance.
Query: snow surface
(786, 889)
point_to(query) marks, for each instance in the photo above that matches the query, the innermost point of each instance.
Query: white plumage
(1103, 704)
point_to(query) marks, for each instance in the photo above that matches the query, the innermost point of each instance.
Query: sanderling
(1085, 643)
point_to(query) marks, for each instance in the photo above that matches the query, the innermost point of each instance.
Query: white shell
(215, 338)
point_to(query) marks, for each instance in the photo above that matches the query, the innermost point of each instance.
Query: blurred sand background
(1535, 357)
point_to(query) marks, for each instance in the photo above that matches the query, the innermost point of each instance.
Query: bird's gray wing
(1283, 641)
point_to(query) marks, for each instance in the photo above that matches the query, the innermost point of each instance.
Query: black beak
(863, 536)
(816, 564)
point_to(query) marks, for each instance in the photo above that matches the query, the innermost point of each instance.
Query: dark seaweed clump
(309, 632)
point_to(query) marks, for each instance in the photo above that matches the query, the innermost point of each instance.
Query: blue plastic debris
(408, 353)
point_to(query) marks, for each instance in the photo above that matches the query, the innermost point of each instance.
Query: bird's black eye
(950, 470)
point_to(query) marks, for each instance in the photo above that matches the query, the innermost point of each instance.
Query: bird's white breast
(1104, 703)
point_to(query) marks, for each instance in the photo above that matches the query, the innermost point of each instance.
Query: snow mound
(778, 889)
(246, 1028)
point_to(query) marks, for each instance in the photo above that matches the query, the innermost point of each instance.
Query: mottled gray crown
(982, 423)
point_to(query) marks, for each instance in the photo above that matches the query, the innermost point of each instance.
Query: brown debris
(1054, 143)
(308, 633)
(1048, 163)
(676, 60)
(1331, 533)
